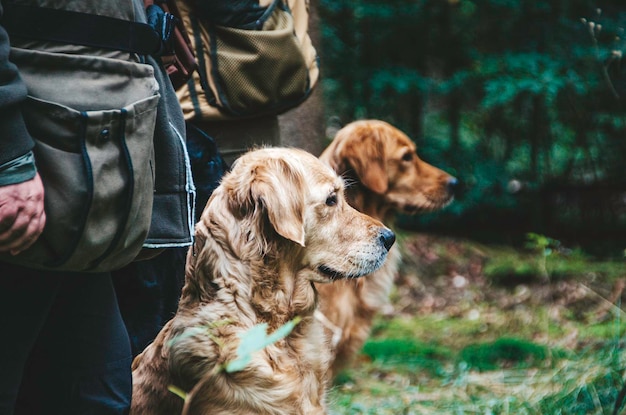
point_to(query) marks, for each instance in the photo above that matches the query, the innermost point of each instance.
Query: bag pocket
(253, 71)
(97, 170)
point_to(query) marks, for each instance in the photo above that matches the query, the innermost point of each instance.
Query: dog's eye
(407, 157)
(331, 200)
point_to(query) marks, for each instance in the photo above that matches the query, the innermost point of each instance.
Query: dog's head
(384, 161)
(285, 206)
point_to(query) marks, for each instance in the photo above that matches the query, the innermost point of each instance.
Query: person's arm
(22, 216)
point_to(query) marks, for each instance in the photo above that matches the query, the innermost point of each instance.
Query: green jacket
(174, 192)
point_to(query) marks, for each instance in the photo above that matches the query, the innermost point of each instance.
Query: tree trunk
(304, 126)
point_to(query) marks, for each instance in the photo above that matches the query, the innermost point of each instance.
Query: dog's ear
(279, 189)
(365, 153)
(272, 187)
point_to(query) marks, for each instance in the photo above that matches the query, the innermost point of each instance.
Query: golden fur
(386, 177)
(277, 223)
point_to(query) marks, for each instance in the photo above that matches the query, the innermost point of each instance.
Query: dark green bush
(504, 352)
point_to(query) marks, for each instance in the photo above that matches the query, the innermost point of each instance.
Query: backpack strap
(39, 23)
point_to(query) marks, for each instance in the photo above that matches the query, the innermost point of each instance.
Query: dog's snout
(387, 237)
(453, 185)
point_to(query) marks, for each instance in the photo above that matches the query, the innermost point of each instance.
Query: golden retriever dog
(278, 223)
(385, 176)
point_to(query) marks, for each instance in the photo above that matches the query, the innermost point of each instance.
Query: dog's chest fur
(350, 306)
(196, 346)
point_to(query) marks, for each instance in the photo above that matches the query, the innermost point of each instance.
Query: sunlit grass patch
(509, 266)
(483, 324)
(603, 331)
(431, 329)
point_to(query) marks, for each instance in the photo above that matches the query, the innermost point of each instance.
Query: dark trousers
(148, 293)
(63, 348)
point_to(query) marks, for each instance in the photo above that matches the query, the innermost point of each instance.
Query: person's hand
(22, 216)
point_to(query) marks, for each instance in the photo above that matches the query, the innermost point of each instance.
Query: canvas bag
(249, 71)
(95, 155)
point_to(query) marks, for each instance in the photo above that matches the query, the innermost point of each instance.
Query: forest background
(524, 101)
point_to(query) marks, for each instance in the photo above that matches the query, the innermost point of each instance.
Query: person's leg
(81, 361)
(26, 297)
(148, 293)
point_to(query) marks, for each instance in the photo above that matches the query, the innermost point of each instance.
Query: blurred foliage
(523, 101)
(412, 354)
(510, 352)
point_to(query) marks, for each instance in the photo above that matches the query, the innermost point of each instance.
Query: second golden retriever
(277, 223)
(386, 176)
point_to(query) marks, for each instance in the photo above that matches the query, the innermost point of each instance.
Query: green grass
(531, 334)
(509, 266)
(410, 355)
(508, 376)
(504, 352)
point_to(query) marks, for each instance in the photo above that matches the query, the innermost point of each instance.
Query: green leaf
(196, 330)
(177, 391)
(283, 331)
(189, 332)
(257, 339)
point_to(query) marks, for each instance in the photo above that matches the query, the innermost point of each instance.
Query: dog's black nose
(387, 237)
(453, 185)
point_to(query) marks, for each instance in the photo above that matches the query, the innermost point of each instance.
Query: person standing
(65, 349)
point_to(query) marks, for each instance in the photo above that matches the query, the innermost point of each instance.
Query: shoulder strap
(39, 23)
